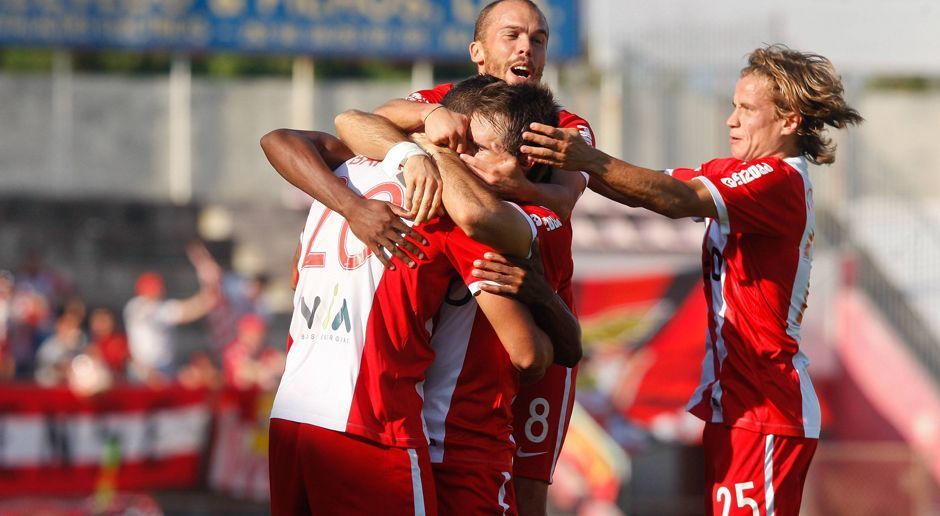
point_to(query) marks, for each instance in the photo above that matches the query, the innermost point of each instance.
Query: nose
(732, 120)
(523, 45)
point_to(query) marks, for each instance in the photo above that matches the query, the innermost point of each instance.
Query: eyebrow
(519, 28)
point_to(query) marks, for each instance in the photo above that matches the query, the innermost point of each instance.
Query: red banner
(52, 441)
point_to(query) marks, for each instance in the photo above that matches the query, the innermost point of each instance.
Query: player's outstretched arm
(528, 347)
(374, 136)
(638, 186)
(479, 212)
(306, 159)
(524, 279)
(443, 126)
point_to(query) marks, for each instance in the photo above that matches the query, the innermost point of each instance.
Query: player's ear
(477, 55)
(791, 123)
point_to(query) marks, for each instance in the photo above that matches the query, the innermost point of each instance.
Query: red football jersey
(361, 333)
(471, 385)
(756, 259)
(566, 118)
(543, 409)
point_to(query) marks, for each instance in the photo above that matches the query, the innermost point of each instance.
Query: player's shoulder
(544, 219)
(431, 96)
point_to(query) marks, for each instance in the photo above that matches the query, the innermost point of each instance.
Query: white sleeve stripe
(723, 221)
(475, 286)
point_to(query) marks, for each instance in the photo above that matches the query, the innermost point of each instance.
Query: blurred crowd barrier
(132, 439)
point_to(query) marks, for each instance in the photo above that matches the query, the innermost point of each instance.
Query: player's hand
(560, 148)
(518, 278)
(447, 129)
(379, 226)
(501, 172)
(424, 189)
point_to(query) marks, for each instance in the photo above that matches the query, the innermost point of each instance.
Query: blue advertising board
(406, 29)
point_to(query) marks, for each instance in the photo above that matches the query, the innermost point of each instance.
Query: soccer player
(470, 386)
(347, 416)
(761, 413)
(510, 42)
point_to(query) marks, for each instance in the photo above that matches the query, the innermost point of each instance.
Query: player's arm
(509, 180)
(638, 186)
(528, 347)
(524, 280)
(306, 159)
(443, 127)
(374, 136)
(479, 212)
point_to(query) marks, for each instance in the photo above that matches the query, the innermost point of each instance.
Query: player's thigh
(541, 413)
(343, 474)
(473, 489)
(288, 495)
(749, 473)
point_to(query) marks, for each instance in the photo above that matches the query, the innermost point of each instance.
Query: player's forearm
(407, 115)
(555, 319)
(560, 199)
(298, 159)
(529, 348)
(482, 215)
(649, 189)
(367, 134)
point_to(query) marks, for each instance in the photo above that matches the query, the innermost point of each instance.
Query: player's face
(756, 131)
(514, 44)
(486, 145)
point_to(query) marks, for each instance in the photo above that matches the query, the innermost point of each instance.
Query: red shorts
(474, 489)
(318, 471)
(541, 412)
(749, 473)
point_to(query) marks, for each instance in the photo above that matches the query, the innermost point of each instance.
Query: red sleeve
(684, 174)
(555, 247)
(461, 250)
(432, 96)
(764, 196)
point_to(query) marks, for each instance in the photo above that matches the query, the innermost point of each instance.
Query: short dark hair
(510, 108)
(483, 18)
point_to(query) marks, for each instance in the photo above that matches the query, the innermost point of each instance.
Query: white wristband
(396, 156)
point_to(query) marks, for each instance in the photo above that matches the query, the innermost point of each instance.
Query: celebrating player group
(433, 347)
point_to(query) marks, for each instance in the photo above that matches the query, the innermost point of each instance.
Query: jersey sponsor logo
(523, 454)
(339, 319)
(747, 175)
(550, 222)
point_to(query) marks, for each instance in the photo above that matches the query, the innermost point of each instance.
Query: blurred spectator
(149, 318)
(246, 364)
(107, 343)
(7, 364)
(55, 355)
(241, 296)
(199, 373)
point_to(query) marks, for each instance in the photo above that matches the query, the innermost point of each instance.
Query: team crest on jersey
(747, 175)
(335, 316)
